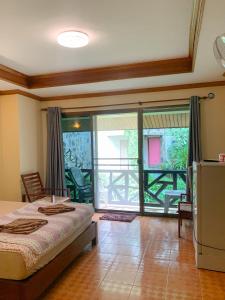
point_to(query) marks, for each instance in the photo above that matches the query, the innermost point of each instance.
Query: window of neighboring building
(154, 151)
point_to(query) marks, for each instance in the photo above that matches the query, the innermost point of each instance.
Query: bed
(27, 269)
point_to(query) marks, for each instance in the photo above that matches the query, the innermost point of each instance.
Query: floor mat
(118, 217)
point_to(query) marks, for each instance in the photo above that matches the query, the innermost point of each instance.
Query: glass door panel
(116, 168)
(77, 143)
(165, 149)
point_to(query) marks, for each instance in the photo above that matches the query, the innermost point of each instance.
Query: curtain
(55, 178)
(194, 148)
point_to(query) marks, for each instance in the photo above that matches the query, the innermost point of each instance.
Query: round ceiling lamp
(219, 49)
(73, 39)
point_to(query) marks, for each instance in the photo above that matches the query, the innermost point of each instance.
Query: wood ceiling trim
(13, 76)
(20, 92)
(116, 93)
(195, 28)
(117, 72)
(136, 91)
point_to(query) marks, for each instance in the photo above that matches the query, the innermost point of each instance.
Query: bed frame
(32, 287)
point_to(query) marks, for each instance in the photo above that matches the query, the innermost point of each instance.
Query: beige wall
(30, 135)
(23, 130)
(9, 148)
(212, 121)
(20, 143)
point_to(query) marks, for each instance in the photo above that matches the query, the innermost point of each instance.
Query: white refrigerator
(209, 215)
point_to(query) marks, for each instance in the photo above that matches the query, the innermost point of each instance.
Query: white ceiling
(121, 32)
(7, 85)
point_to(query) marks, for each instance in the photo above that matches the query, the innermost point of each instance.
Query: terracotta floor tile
(183, 287)
(144, 260)
(122, 276)
(158, 254)
(183, 269)
(151, 279)
(134, 260)
(113, 291)
(121, 250)
(72, 291)
(143, 293)
(121, 266)
(154, 265)
(182, 295)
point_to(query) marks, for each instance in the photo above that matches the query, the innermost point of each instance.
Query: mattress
(12, 264)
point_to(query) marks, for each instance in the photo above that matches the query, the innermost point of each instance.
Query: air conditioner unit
(219, 50)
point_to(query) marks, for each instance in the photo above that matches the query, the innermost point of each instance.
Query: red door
(154, 151)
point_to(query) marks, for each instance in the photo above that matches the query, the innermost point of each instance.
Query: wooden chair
(184, 210)
(35, 190)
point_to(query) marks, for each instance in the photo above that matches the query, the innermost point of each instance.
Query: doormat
(118, 217)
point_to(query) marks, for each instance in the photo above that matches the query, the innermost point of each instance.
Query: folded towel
(55, 209)
(23, 226)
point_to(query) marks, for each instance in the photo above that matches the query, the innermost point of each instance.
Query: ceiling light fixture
(76, 125)
(73, 39)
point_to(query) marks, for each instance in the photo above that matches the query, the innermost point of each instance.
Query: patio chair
(184, 211)
(76, 181)
(35, 190)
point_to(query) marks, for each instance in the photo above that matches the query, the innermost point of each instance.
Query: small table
(170, 195)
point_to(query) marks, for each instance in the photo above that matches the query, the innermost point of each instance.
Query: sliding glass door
(77, 144)
(128, 161)
(165, 148)
(116, 169)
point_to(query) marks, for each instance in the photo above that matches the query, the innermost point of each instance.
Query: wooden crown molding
(13, 76)
(136, 70)
(117, 72)
(195, 28)
(20, 92)
(118, 92)
(136, 91)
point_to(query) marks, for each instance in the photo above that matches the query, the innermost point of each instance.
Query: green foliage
(132, 137)
(178, 150)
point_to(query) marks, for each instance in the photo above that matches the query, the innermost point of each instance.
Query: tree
(178, 150)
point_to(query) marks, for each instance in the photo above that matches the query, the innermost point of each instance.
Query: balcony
(119, 189)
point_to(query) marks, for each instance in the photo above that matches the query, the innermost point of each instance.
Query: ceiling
(151, 120)
(121, 32)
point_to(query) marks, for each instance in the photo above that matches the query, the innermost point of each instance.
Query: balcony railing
(157, 182)
(121, 187)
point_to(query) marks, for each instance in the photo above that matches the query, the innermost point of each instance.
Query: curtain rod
(209, 96)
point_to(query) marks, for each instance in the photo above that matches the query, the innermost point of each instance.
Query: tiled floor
(139, 260)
